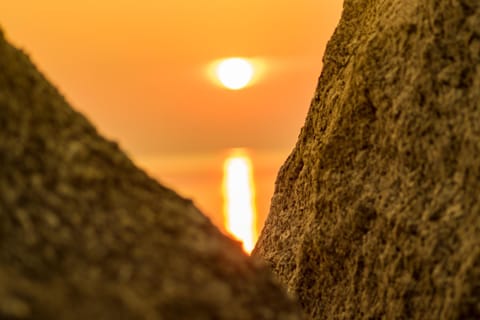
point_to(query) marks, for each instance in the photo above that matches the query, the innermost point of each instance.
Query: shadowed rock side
(84, 234)
(376, 213)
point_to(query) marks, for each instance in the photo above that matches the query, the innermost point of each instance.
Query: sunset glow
(145, 73)
(239, 200)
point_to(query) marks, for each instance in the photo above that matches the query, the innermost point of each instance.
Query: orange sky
(137, 69)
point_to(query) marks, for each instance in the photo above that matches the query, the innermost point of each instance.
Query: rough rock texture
(376, 213)
(84, 234)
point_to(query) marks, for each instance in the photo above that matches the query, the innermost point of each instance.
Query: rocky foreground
(376, 213)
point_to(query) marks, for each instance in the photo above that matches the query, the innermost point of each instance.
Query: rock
(376, 212)
(84, 234)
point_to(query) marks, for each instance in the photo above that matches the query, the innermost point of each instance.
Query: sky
(139, 70)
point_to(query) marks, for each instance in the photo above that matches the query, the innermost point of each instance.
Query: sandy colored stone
(85, 234)
(376, 212)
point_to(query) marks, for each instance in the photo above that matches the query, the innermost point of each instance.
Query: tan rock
(376, 212)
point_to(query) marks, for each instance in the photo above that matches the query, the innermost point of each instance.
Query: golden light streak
(239, 199)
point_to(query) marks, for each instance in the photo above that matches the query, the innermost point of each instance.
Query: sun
(234, 73)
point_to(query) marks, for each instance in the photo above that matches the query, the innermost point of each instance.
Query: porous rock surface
(376, 212)
(84, 234)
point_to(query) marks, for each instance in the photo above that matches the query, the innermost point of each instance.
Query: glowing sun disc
(234, 73)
